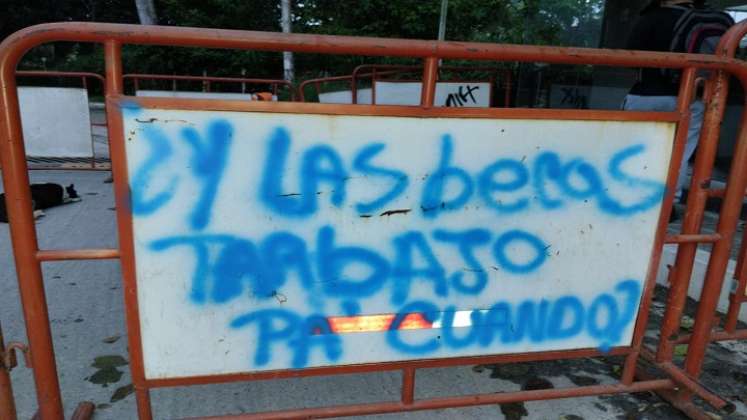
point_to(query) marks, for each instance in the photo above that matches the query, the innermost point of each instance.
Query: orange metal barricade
(374, 72)
(317, 83)
(28, 256)
(207, 82)
(83, 76)
(706, 328)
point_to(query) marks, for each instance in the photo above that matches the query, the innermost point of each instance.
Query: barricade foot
(84, 411)
(681, 397)
(684, 404)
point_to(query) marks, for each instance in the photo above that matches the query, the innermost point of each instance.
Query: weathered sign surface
(273, 241)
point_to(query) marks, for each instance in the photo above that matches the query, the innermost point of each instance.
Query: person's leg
(693, 134)
(650, 103)
(665, 104)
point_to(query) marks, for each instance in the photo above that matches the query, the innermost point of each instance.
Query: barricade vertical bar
(430, 76)
(7, 405)
(507, 95)
(727, 224)
(353, 90)
(113, 59)
(114, 86)
(715, 105)
(408, 385)
(25, 244)
(687, 87)
(736, 297)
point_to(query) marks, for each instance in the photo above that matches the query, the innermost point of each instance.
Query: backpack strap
(694, 17)
(680, 25)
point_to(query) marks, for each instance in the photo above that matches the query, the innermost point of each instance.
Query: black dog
(44, 196)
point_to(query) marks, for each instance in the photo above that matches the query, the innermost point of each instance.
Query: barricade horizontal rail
(28, 256)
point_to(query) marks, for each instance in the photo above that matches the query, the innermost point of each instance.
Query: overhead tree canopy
(550, 22)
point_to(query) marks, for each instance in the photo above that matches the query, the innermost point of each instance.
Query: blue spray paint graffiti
(505, 323)
(239, 267)
(295, 185)
(209, 157)
(161, 151)
(322, 166)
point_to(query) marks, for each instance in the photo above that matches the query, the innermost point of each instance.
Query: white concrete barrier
(56, 121)
(457, 94)
(345, 97)
(696, 280)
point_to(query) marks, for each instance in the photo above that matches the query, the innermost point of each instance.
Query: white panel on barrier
(196, 95)
(455, 94)
(56, 121)
(278, 241)
(345, 97)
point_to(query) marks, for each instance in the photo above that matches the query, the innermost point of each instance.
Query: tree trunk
(285, 24)
(146, 11)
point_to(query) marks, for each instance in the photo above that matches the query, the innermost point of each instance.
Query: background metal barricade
(499, 79)
(276, 85)
(28, 256)
(707, 327)
(85, 82)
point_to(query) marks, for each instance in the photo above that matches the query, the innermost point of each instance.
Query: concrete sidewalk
(86, 311)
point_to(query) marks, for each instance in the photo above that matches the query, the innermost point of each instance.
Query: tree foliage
(550, 22)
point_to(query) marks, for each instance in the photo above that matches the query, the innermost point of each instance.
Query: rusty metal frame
(84, 78)
(208, 80)
(28, 256)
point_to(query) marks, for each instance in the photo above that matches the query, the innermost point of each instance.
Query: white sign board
(196, 95)
(56, 122)
(279, 241)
